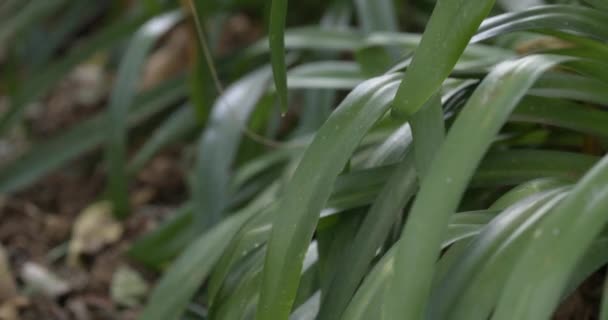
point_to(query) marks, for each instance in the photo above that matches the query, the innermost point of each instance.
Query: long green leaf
(428, 130)
(560, 241)
(376, 15)
(374, 229)
(309, 189)
(368, 301)
(467, 141)
(276, 38)
(180, 282)
(218, 144)
(571, 19)
(123, 94)
(178, 125)
(446, 295)
(447, 34)
(563, 114)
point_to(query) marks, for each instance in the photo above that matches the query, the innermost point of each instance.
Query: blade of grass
(355, 262)
(179, 124)
(563, 114)
(445, 38)
(156, 248)
(376, 15)
(573, 87)
(516, 166)
(309, 189)
(428, 130)
(600, 4)
(368, 301)
(333, 238)
(467, 141)
(170, 297)
(549, 260)
(218, 144)
(526, 190)
(392, 149)
(577, 20)
(345, 39)
(325, 75)
(428, 133)
(447, 293)
(485, 286)
(276, 39)
(122, 96)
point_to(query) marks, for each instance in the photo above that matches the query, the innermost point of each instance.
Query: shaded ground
(37, 225)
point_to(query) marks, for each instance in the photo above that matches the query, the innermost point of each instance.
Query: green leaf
(467, 141)
(276, 38)
(446, 35)
(122, 96)
(374, 229)
(560, 241)
(572, 19)
(309, 189)
(325, 75)
(368, 301)
(563, 114)
(570, 86)
(376, 15)
(526, 190)
(428, 131)
(517, 166)
(156, 248)
(218, 144)
(179, 124)
(183, 278)
(446, 295)
(600, 4)
(385, 210)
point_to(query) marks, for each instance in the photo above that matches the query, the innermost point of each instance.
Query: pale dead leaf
(40, 279)
(94, 228)
(170, 59)
(9, 309)
(128, 287)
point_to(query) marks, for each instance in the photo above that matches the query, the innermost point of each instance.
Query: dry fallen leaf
(128, 287)
(94, 228)
(170, 59)
(9, 309)
(39, 279)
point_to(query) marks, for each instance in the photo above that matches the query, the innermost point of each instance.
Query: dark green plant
(454, 180)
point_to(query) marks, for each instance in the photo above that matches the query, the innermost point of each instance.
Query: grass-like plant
(461, 175)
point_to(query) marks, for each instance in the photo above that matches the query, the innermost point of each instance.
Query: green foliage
(481, 199)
